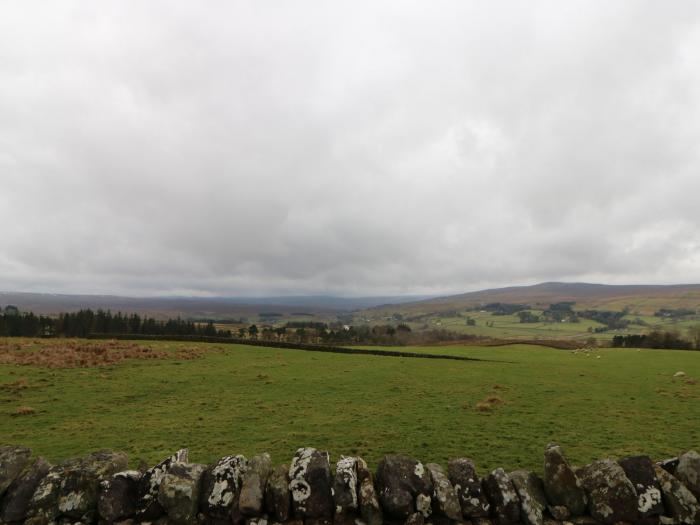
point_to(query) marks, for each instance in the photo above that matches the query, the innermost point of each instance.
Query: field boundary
(558, 344)
(291, 346)
(188, 490)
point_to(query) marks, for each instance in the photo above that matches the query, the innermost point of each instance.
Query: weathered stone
(347, 518)
(345, 485)
(178, 493)
(435, 519)
(43, 505)
(277, 499)
(530, 491)
(258, 520)
(669, 465)
(561, 485)
(416, 518)
(81, 479)
(221, 487)
(148, 507)
(611, 495)
(362, 469)
(680, 504)
(236, 517)
(467, 485)
(118, 496)
(252, 498)
(499, 490)
(64, 520)
(688, 472)
(585, 520)
(559, 512)
(310, 484)
(71, 488)
(16, 500)
(404, 486)
(640, 471)
(424, 504)
(648, 520)
(370, 510)
(445, 500)
(551, 521)
(318, 521)
(13, 460)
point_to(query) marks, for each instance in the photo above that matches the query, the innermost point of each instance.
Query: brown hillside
(645, 299)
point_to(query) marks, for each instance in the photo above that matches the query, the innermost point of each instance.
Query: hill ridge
(646, 297)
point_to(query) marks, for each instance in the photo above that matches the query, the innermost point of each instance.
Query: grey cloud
(352, 148)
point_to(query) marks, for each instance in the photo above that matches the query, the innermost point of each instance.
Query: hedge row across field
(98, 489)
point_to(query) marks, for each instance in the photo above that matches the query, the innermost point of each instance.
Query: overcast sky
(355, 148)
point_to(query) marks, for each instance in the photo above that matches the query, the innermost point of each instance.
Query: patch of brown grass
(685, 393)
(84, 354)
(489, 404)
(24, 411)
(15, 386)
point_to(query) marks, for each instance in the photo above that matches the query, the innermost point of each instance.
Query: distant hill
(196, 307)
(645, 299)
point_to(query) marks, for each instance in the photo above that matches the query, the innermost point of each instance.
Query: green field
(509, 326)
(243, 399)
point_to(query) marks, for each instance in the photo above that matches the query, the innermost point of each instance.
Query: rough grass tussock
(83, 354)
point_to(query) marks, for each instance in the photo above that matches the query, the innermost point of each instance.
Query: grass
(510, 327)
(238, 399)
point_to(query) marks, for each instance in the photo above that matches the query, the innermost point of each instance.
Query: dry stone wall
(310, 490)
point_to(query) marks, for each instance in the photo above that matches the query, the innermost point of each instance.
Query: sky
(348, 148)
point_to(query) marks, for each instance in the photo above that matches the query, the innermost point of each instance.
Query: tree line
(659, 339)
(14, 323)
(563, 311)
(336, 333)
(84, 322)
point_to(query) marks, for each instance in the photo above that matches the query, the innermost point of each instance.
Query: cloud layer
(352, 148)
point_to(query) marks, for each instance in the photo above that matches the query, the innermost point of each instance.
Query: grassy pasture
(242, 399)
(648, 304)
(510, 327)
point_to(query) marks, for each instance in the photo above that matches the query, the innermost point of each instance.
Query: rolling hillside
(644, 299)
